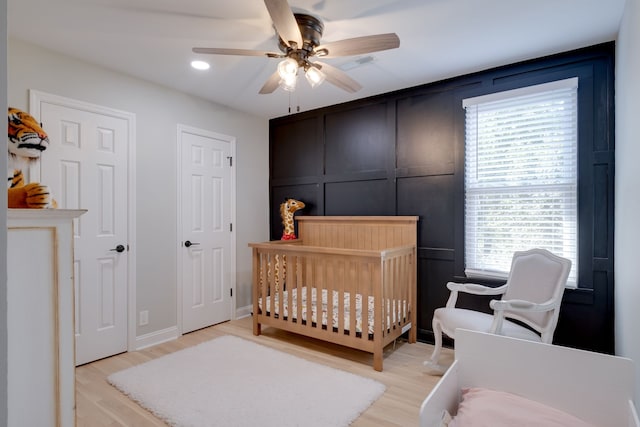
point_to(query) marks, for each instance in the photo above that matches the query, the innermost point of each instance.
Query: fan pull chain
(297, 101)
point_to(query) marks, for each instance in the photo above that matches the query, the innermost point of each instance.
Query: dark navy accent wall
(401, 153)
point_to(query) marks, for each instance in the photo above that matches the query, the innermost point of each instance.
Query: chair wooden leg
(432, 364)
(437, 335)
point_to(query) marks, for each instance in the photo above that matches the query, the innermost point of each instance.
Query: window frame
(480, 271)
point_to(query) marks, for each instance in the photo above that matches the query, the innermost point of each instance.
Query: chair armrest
(471, 288)
(521, 305)
(516, 305)
(476, 289)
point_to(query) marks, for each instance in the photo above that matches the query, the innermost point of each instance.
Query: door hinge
(231, 292)
(231, 227)
(230, 160)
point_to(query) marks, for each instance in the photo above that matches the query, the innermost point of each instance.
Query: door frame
(181, 129)
(35, 98)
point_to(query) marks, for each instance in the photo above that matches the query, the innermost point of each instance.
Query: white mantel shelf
(46, 214)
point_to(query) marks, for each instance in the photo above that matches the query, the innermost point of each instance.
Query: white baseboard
(168, 334)
(244, 311)
(157, 337)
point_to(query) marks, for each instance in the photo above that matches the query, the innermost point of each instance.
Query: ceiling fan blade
(284, 21)
(242, 52)
(358, 45)
(271, 84)
(338, 77)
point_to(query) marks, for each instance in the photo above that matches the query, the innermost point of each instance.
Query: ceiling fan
(299, 42)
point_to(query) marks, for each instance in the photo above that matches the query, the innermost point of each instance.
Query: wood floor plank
(98, 404)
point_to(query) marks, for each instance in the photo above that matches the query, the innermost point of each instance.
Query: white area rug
(231, 382)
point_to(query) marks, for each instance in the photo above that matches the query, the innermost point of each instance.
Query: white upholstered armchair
(532, 295)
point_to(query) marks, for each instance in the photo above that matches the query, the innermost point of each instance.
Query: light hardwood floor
(100, 404)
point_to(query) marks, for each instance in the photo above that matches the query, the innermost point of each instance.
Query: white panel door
(206, 228)
(86, 167)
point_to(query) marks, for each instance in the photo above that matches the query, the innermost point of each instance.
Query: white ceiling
(152, 39)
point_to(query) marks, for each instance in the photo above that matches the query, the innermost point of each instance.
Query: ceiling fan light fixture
(289, 82)
(314, 76)
(288, 68)
(299, 39)
(289, 86)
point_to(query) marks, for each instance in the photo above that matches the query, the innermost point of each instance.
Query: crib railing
(360, 298)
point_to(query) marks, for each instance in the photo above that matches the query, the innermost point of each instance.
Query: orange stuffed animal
(27, 140)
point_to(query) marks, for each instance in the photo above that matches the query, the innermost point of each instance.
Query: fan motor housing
(311, 29)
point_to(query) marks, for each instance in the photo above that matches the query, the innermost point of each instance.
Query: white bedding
(393, 310)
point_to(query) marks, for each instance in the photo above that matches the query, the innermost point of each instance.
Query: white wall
(627, 184)
(158, 110)
(3, 222)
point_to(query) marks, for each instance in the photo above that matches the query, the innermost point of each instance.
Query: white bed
(594, 387)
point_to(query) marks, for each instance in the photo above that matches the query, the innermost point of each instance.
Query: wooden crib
(346, 280)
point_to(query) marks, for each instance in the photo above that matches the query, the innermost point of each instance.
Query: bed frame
(372, 257)
(595, 387)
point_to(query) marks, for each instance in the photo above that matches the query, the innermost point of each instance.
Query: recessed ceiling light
(200, 65)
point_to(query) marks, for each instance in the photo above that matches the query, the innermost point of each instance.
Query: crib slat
(309, 290)
(256, 291)
(297, 281)
(330, 286)
(320, 294)
(341, 278)
(380, 304)
(264, 259)
(406, 278)
(277, 292)
(352, 298)
(394, 294)
(385, 296)
(368, 292)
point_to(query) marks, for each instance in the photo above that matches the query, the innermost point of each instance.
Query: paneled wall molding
(401, 153)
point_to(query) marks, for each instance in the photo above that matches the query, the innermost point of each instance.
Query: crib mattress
(396, 310)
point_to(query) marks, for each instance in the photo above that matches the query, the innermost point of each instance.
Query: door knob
(189, 244)
(118, 248)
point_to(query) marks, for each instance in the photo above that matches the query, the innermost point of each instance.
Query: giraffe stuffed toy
(287, 210)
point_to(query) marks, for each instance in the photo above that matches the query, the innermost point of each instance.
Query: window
(521, 157)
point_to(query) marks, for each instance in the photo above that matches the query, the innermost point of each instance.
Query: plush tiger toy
(26, 141)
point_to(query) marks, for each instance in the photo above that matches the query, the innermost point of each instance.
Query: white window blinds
(521, 164)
